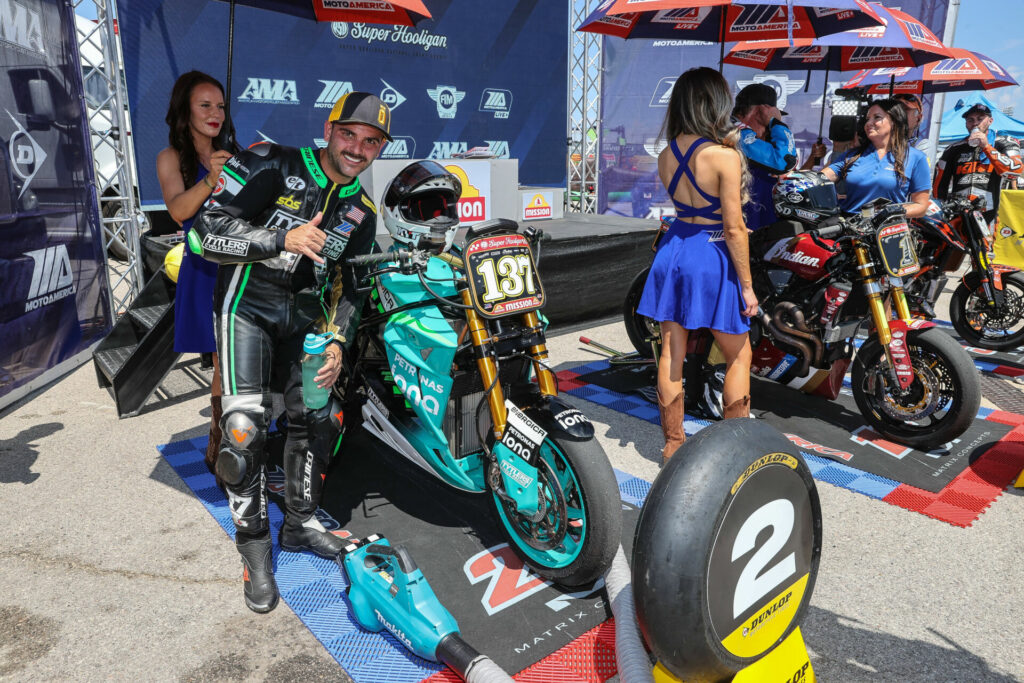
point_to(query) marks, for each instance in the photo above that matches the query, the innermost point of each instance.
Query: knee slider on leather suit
(241, 449)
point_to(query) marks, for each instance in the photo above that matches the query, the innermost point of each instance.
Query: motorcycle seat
(762, 239)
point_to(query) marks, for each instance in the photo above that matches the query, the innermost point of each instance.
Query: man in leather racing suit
(768, 145)
(965, 170)
(281, 222)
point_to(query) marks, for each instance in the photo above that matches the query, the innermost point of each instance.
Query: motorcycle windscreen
(896, 247)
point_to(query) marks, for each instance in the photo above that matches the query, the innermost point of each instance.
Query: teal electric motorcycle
(451, 373)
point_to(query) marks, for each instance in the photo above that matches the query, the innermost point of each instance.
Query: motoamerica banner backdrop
(637, 82)
(479, 74)
(53, 303)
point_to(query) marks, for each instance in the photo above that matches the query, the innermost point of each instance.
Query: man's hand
(982, 138)
(331, 368)
(818, 150)
(307, 239)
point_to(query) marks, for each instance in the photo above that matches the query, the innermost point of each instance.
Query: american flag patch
(356, 215)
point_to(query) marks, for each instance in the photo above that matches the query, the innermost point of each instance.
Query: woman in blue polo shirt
(886, 166)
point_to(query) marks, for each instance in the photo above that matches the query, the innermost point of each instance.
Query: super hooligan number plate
(502, 276)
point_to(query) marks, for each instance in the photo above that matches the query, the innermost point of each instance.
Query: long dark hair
(701, 105)
(898, 139)
(179, 118)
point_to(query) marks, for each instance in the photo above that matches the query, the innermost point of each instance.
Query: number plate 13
(502, 276)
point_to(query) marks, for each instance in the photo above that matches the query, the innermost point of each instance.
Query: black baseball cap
(362, 107)
(979, 108)
(758, 93)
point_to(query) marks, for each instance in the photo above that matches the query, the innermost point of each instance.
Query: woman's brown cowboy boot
(671, 425)
(738, 408)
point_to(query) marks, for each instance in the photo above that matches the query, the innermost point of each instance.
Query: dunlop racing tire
(714, 591)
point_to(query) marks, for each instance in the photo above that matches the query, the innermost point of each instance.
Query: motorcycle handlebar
(371, 259)
(828, 232)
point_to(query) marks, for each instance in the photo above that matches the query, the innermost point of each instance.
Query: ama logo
(402, 147)
(444, 149)
(472, 204)
(499, 102)
(270, 91)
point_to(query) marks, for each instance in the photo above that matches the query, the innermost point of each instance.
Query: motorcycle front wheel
(575, 542)
(940, 402)
(990, 327)
(639, 328)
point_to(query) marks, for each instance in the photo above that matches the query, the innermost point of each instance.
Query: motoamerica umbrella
(901, 41)
(728, 20)
(963, 70)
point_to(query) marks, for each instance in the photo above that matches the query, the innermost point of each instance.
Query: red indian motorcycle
(818, 290)
(987, 307)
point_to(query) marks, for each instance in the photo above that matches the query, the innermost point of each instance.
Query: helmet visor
(410, 177)
(425, 206)
(822, 197)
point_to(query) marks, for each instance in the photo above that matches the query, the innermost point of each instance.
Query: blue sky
(993, 28)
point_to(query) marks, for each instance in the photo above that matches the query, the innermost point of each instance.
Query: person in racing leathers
(768, 145)
(978, 169)
(281, 223)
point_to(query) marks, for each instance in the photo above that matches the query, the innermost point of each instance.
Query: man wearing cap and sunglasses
(281, 223)
(768, 145)
(978, 164)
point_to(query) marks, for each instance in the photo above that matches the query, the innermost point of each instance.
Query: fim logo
(402, 147)
(499, 102)
(332, 91)
(447, 99)
(52, 278)
(444, 149)
(270, 91)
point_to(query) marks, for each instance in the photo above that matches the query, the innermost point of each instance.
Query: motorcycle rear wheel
(639, 328)
(575, 542)
(988, 327)
(940, 403)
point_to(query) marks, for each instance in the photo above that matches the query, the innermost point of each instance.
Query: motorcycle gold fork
(873, 289)
(485, 362)
(539, 353)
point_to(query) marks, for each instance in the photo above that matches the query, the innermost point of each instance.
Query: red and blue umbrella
(963, 70)
(901, 41)
(721, 21)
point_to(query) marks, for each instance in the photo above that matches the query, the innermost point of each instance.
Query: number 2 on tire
(755, 581)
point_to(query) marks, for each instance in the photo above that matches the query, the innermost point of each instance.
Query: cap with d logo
(362, 107)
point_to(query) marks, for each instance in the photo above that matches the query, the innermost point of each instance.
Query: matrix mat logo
(52, 278)
(332, 91)
(396, 35)
(270, 91)
(21, 27)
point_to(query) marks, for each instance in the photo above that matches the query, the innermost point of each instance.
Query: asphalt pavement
(111, 569)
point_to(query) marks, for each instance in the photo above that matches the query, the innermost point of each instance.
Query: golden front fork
(874, 294)
(539, 353)
(488, 369)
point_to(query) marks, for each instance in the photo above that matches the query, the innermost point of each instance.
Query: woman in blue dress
(701, 273)
(188, 171)
(885, 165)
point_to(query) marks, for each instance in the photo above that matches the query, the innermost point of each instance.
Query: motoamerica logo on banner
(270, 91)
(402, 147)
(663, 92)
(20, 27)
(400, 35)
(497, 101)
(52, 277)
(331, 92)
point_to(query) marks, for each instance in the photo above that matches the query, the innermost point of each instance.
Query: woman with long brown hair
(701, 273)
(189, 170)
(885, 165)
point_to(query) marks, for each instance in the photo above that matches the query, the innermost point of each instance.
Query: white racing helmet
(420, 207)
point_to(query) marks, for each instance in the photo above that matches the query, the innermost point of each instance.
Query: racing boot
(671, 425)
(261, 593)
(298, 534)
(738, 408)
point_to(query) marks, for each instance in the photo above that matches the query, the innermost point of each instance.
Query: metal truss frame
(583, 134)
(107, 115)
